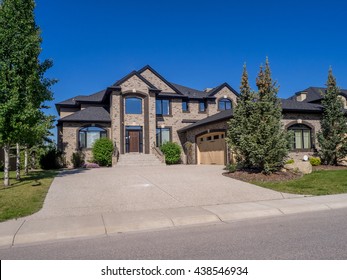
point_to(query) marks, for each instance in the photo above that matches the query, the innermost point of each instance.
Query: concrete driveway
(121, 189)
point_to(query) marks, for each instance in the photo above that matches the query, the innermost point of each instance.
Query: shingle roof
(90, 114)
(93, 98)
(227, 114)
(96, 97)
(190, 92)
(315, 94)
(287, 106)
(294, 106)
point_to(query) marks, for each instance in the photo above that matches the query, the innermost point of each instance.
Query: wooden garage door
(211, 148)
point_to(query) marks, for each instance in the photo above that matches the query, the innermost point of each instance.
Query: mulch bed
(249, 176)
(328, 167)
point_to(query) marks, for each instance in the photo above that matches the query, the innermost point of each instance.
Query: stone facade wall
(310, 119)
(64, 112)
(134, 84)
(69, 139)
(154, 80)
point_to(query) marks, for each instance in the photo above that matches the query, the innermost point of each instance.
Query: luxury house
(143, 110)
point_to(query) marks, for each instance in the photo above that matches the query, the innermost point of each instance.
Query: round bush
(51, 159)
(172, 152)
(315, 161)
(102, 152)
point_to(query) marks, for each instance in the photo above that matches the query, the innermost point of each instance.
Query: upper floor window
(163, 107)
(301, 137)
(88, 135)
(133, 105)
(224, 104)
(202, 106)
(185, 106)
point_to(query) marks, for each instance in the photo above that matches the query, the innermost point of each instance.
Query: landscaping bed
(324, 180)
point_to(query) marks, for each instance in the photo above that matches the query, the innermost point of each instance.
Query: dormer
(301, 96)
(344, 101)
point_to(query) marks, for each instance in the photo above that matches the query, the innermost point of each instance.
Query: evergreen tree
(23, 88)
(256, 133)
(271, 140)
(242, 124)
(332, 137)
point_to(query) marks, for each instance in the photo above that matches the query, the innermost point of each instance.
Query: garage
(211, 148)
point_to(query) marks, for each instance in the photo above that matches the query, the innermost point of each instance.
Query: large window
(133, 105)
(202, 106)
(88, 135)
(163, 135)
(163, 107)
(224, 104)
(301, 137)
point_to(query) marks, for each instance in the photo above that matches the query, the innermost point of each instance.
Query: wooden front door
(134, 141)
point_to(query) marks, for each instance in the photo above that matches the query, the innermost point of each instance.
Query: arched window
(88, 135)
(301, 137)
(224, 104)
(133, 105)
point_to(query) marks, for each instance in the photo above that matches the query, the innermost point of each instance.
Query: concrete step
(139, 160)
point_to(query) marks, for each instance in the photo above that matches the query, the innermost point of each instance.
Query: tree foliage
(332, 137)
(255, 132)
(23, 87)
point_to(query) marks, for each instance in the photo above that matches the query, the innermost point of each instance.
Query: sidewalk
(26, 231)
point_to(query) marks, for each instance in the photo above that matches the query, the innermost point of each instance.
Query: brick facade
(146, 85)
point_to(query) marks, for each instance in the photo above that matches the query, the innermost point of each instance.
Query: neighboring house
(143, 110)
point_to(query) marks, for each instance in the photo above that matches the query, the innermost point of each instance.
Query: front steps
(136, 159)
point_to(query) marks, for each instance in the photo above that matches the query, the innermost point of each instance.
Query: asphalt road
(318, 235)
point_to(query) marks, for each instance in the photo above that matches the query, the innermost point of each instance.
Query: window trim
(126, 107)
(205, 106)
(102, 131)
(224, 101)
(301, 127)
(187, 105)
(161, 105)
(161, 140)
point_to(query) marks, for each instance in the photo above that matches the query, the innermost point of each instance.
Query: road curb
(19, 232)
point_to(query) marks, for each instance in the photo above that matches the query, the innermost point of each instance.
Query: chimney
(208, 89)
(301, 96)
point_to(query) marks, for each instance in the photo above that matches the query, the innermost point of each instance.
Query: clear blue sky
(195, 43)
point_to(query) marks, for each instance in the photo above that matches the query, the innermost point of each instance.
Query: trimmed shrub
(102, 152)
(172, 152)
(315, 161)
(52, 159)
(77, 159)
(231, 168)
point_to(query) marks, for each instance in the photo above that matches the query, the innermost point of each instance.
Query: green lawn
(317, 183)
(24, 197)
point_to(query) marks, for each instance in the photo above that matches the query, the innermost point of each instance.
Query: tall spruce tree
(256, 133)
(242, 125)
(270, 139)
(332, 137)
(23, 87)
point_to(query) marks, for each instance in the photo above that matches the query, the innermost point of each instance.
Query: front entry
(133, 139)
